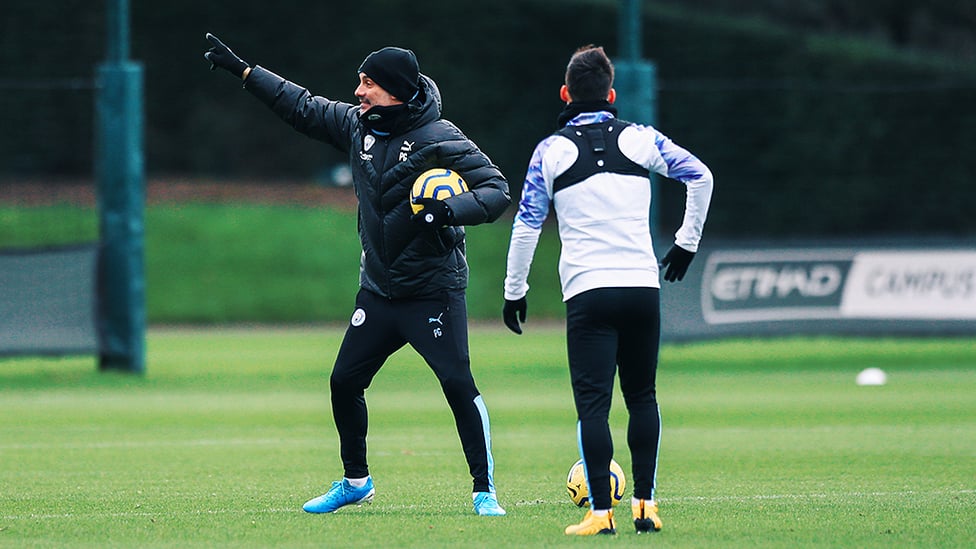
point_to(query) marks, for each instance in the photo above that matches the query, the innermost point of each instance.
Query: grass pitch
(767, 443)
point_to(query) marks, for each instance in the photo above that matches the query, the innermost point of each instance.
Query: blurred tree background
(818, 117)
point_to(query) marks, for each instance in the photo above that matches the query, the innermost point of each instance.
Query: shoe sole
(604, 532)
(645, 526)
(577, 529)
(368, 499)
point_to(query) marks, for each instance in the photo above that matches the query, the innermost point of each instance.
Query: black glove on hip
(676, 260)
(220, 56)
(512, 312)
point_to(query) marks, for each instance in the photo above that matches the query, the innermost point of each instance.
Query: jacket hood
(426, 107)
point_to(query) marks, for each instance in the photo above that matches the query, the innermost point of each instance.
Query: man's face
(370, 94)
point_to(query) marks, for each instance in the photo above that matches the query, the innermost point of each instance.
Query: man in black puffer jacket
(413, 270)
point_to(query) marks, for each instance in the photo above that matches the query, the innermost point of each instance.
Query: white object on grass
(872, 376)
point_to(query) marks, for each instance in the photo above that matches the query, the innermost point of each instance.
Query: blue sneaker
(486, 504)
(340, 495)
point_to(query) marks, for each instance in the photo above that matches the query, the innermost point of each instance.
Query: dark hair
(589, 75)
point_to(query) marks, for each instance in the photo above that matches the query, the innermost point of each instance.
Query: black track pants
(435, 327)
(615, 331)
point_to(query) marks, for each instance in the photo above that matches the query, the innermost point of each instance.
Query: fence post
(635, 80)
(119, 171)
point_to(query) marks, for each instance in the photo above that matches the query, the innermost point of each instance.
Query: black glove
(220, 56)
(676, 260)
(435, 214)
(513, 312)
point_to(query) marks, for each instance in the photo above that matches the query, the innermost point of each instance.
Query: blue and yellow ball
(439, 184)
(578, 486)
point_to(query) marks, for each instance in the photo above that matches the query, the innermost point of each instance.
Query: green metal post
(119, 172)
(635, 80)
(629, 30)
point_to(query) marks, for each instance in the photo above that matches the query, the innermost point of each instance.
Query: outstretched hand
(513, 312)
(221, 56)
(676, 260)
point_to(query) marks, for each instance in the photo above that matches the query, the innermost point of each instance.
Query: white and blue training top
(603, 220)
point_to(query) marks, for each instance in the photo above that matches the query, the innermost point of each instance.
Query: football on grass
(439, 183)
(578, 487)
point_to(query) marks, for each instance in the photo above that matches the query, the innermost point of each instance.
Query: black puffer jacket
(400, 259)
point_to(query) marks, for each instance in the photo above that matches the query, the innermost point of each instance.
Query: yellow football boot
(645, 515)
(593, 525)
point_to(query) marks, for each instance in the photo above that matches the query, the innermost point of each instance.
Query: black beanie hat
(395, 70)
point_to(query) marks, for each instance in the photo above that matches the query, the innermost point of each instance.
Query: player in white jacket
(594, 171)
